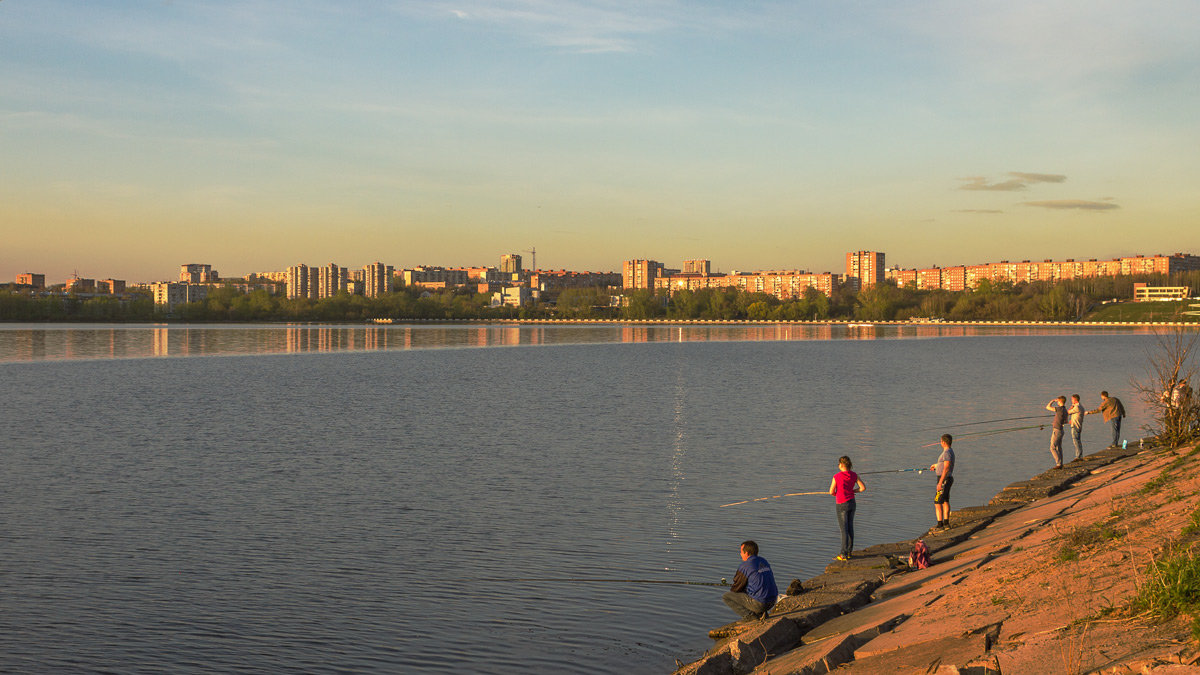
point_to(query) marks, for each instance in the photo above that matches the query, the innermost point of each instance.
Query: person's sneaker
(842, 558)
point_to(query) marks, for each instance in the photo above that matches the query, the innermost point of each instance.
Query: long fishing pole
(609, 581)
(991, 432)
(801, 494)
(790, 494)
(967, 424)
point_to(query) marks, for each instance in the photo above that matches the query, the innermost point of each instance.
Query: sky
(254, 135)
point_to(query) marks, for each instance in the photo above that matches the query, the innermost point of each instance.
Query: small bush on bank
(1173, 588)
(1083, 537)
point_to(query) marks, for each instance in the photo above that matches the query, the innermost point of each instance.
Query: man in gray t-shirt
(944, 468)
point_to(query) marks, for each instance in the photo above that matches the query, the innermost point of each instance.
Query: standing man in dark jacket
(1113, 411)
(1059, 407)
(754, 590)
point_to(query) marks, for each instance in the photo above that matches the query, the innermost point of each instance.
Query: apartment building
(297, 282)
(435, 277)
(510, 263)
(783, 284)
(864, 269)
(640, 274)
(331, 280)
(30, 279)
(546, 280)
(172, 294)
(111, 286)
(962, 277)
(197, 273)
(80, 285)
(376, 279)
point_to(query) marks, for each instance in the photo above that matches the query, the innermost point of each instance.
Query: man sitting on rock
(753, 591)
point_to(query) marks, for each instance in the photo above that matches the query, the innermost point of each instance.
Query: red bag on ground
(919, 558)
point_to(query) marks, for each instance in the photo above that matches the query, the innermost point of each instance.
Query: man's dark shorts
(943, 495)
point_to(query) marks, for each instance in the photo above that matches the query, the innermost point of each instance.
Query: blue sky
(138, 136)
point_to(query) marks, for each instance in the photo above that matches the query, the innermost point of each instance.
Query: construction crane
(533, 258)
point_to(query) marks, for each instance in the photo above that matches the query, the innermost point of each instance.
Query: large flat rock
(953, 653)
(826, 652)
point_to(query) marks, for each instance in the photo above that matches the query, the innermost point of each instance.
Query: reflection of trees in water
(133, 341)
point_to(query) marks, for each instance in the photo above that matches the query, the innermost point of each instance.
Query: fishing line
(967, 424)
(607, 581)
(991, 432)
(823, 492)
(790, 494)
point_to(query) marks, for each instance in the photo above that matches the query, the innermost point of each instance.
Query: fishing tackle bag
(919, 558)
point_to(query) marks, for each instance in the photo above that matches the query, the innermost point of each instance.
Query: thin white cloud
(1039, 177)
(1068, 45)
(581, 26)
(1077, 204)
(1018, 181)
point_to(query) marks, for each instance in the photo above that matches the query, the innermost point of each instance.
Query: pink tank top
(843, 486)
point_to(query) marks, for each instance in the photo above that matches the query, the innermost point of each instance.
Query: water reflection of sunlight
(678, 455)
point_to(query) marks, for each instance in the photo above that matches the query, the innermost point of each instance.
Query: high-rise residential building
(31, 279)
(332, 280)
(702, 267)
(377, 279)
(297, 282)
(641, 274)
(510, 263)
(314, 283)
(196, 273)
(864, 269)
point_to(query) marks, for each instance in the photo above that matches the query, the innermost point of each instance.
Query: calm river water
(386, 499)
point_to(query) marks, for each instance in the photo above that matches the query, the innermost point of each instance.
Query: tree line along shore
(1101, 299)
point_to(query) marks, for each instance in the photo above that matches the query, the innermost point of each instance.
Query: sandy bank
(1041, 580)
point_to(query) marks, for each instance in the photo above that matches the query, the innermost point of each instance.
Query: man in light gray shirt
(944, 467)
(1076, 413)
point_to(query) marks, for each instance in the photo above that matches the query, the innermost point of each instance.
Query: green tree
(643, 304)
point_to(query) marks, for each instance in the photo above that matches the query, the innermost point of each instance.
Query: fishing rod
(823, 492)
(790, 494)
(967, 424)
(610, 581)
(991, 432)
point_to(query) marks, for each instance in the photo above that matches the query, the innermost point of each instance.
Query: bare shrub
(1168, 390)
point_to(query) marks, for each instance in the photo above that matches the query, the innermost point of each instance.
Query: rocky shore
(1045, 578)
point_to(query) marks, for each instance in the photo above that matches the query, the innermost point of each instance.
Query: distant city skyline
(759, 135)
(857, 264)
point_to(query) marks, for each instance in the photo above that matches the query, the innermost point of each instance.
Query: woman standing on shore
(843, 487)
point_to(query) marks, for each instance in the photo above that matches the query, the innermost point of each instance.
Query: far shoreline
(866, 325)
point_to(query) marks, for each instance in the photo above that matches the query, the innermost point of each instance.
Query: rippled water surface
(363, 505)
